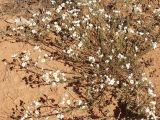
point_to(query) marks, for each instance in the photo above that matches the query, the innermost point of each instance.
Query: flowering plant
(101, 42)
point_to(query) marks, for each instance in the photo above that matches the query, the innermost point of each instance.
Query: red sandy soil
(12, 88)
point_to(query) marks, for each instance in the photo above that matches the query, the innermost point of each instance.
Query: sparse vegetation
(101, 42)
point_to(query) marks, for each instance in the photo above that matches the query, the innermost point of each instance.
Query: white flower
(74, 34)
(101, 10)
(110, 57)
(153, 102)
(36, 47)
(46, 77)
(31, 22)
(100, 56)
(117, 82)
(101, 86)
(120, 56)
(68, 102)
(14, 56)
(92, 59)
(97, 65)
(116, 11)
(138, 8)
(139, 22)
(147, 110)
(150, 92)
(55, 74)
(53, 2)
(64, 16)
(37, 112)
(48, 26)
(154, 44)
(124, 84)
(63, 4)
(25, 115)
(128, 65)
(43, 19)
(69, 51)
(58, 10)
(141, 33)
(132, 81)
(111, 82)
(23, 118)
(48, 13)
(90, 25)
(24, 64)
(58, 28)
(26, 57)
(144, 78)
(58, 76)
(34, 31)
(80, 44)
(130, 76)
(60, 116)
(136, 48)
(45, 55)
(107, 61)
(80, 102)
(34, 15)
(157, 11)
(37, 104)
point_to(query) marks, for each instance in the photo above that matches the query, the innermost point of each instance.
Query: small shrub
(101, 42)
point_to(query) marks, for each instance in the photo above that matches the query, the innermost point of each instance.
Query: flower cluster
(54, 77)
